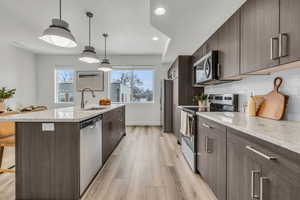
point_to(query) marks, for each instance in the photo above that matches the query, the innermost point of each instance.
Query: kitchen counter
(283, 133)
(60, 151)
(68, 114)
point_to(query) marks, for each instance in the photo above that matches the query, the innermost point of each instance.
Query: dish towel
(183, 124)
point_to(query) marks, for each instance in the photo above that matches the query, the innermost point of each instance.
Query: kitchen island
(60, 151)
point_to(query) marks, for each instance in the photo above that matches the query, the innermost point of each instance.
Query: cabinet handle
(283, 37)
(253, 175)
(272, 48)
(260, 153)
(206, 125)
(206, 144)
(262, 181)
(207, 150)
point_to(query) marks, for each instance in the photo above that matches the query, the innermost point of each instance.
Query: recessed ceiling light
(160, 11)
(155, 38)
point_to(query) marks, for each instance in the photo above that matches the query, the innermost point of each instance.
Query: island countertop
(283, 133)
(67, 114)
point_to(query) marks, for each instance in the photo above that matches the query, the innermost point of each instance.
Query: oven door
(189, 139)
(188, 144)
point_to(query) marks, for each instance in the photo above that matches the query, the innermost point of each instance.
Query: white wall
(136, 113)
(262, 85)
(17, 70)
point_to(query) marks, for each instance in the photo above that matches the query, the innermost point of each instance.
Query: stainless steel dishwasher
(90, 150)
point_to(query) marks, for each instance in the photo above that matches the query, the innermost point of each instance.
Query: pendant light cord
(89, 31)
(60, 9)
(105, 47)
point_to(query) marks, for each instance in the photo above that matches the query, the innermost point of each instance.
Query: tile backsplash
(263, 84)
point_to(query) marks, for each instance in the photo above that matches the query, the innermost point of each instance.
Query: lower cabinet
(211, 160)
(237, 166)
(113, 128)
(259, 170)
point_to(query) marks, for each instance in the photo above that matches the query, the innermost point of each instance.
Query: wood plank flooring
(147, 165)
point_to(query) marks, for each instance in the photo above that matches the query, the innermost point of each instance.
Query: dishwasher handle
(90, 122)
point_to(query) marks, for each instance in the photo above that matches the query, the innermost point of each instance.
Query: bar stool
(7, 135)
(7, 139)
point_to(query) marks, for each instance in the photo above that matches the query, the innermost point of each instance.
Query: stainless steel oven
(217, 103)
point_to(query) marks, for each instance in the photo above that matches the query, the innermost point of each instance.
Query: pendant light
(58, 33)
(105, 64)
(89, 54)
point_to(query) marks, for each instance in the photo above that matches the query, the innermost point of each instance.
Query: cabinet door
(229, 47)
(212, 156)
(211, 44)
(290, 27)
(277, 184)
(202, 163)
(107, 135)
(259, 23)
(243, 170)
(198, 54)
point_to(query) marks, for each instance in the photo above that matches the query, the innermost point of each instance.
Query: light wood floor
(147, 165)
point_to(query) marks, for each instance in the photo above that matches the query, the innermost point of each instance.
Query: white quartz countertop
(283, 133)
(68, 114)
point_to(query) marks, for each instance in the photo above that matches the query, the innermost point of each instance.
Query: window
(64, 86)
(132, 86)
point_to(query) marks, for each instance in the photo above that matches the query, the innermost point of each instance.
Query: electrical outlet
(48, 127)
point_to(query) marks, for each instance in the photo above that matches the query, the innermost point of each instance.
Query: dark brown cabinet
(290, 31)
(229, 47)
(259, 170)
(113, 128)
(211, 159)
(211, 44)
(181, 74)
(259, 23)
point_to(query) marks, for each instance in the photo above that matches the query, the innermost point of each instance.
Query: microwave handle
(219, 70)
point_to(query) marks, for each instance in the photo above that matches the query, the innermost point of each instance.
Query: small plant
(202, 97)
(6, 93)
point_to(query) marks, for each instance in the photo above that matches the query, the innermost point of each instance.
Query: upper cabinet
(229, 47)
(259, 31)
(211, 44)
(260, 37)
(290, 31)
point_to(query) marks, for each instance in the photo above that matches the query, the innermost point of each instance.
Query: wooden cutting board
(274, 103)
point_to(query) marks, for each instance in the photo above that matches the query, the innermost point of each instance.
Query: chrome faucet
(82, 96)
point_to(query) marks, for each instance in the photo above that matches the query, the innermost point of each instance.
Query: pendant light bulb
(58, 33)
(105, 64)
(89, 55)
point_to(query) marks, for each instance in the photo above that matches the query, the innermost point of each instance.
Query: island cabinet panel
(229, 47)
(290, 31)
(113, 129)
(47, 163)
(212, 156)
(259, 24)
(261, 170)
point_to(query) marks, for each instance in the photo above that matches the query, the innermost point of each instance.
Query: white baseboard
(143, 123)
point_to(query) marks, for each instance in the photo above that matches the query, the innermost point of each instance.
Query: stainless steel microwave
(205, 70)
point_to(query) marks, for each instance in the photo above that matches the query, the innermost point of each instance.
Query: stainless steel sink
(95, 108)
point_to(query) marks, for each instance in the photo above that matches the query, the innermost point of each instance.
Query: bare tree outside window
(132, 86)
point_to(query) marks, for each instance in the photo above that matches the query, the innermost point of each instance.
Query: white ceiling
(130, 23)
(189, 23)
(127, 22)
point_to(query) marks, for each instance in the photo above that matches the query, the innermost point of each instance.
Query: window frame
(55, 85)
(135, 68)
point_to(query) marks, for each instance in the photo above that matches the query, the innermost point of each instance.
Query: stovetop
(193, 110)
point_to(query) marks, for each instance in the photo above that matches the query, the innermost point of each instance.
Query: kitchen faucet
(82, 96)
